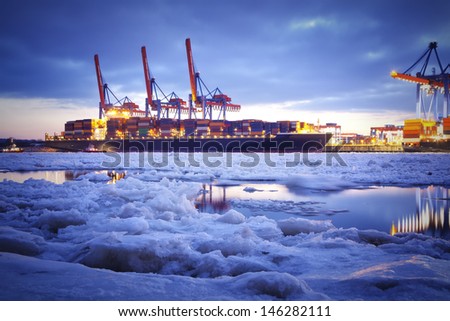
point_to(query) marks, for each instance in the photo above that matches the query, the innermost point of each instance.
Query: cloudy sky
(283, 59)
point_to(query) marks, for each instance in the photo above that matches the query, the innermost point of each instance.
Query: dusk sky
(282, 59)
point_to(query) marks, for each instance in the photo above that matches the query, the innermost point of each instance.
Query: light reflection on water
(431, 216)
(59, 176)
(382, 208)
(390, 209)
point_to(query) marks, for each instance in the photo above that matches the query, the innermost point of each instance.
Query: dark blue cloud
(256, 51)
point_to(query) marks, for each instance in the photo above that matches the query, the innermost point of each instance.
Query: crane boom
(410, 78)
(100, 85)
(148, 84)
(417, 80)
(191, 70)
(430, 84)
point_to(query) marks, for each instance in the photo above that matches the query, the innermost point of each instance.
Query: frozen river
(232, 227)
(390, 209)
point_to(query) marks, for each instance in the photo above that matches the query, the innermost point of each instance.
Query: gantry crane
(201, 98)
(167, 103)
(428, 85)
(120, 107)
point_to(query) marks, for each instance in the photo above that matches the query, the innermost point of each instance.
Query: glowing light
(393, 229)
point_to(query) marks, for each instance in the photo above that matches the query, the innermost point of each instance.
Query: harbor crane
(201, 98)
(431, 85)
(161, 103)
(115, 107)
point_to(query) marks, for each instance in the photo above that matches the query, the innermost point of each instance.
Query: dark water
(58, 176)
(389, 209)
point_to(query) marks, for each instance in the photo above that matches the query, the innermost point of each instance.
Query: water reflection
(381, 208)
(389, 209)
(115, 176)
(61, 176)
(212, 202)
(432, 214)
(57, 176)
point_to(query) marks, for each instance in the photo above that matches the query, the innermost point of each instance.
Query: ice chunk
(131, 225)
(293, 226)
(132, 210)
(316, 182)
(275, 284)
(377, 238)
(232, 217)
(55, 220)
(250, 189)
(14, 241)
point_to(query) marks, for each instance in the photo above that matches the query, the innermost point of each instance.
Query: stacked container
(88, 128)
(78, 129)
(413, 128)
(132, 126)
(202, 127)
(189, 127)
(69, 128)
(235, 128)
(166, 125)
(284, 126)
(429, 128)
(144, 126)
(227, 128)
(115, 127)
(257, 127)
(246, 127)
(294, 126)
(271, 128)
(216, 127)
(446, 125)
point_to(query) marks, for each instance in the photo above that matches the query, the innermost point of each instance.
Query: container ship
(122, 126)
(422, 135)
(139, 134)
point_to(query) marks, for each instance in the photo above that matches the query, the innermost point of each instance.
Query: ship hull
(281, 143)
(442, 146)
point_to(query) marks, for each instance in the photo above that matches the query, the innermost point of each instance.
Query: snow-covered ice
(142, 238)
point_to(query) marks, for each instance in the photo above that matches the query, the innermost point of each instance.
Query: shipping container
(284, 126)
(69, 127)
(143, 132)
(411, 136)
(446, 125)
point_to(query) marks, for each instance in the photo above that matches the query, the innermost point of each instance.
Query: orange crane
(148, 83)
(124, 107)
(192, 73)
(201, 98)
(165, 105)
(101, 87)
(428, 84)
